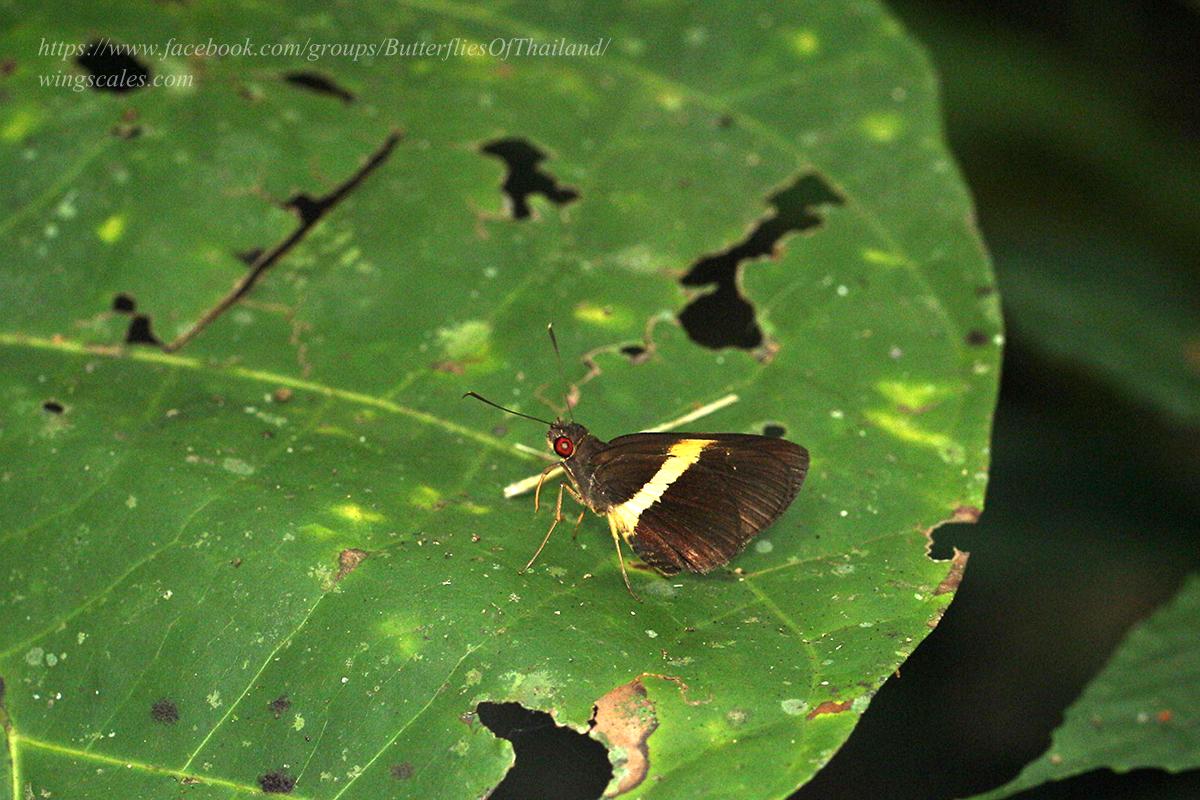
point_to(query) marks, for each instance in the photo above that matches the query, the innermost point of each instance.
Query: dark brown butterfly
(682, 501)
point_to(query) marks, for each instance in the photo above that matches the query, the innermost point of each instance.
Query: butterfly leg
(612, 526)
(578, 520)
(537, 493)
(557, 519)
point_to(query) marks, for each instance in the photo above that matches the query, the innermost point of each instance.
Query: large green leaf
(1142, 711)
(281, 553)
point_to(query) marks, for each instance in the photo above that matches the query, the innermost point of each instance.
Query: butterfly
(680, 501)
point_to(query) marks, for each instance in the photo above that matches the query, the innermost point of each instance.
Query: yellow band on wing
(680, 456)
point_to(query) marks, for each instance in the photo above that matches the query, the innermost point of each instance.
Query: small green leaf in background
(279, 558)
(1141, 711)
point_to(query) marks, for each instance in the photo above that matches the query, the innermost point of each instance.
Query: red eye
(564, 446)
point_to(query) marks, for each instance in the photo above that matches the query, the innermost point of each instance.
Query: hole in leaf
(112, 68)
(635, 352)
(316, 82)
(276, 782)
(551, 761)
(723, 317)
(164, 711)
(774, 430)
(124, 304)
(524, 178)
(307, 207)
(53, 406)
(139, 331)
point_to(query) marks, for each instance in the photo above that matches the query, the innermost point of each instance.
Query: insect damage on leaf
(549, 757)
(724, 317)
(348, 561)
(318, 83)
(141, 332)
(954, 577)
(112, 68)
(525, 177)
(623, 720)
(830, 707)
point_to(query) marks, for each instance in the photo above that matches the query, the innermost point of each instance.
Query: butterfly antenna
(483, 399)
(561, 377)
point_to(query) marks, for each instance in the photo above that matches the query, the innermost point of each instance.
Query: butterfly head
(565, 437)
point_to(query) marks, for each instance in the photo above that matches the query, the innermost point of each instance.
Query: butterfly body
(682, 501)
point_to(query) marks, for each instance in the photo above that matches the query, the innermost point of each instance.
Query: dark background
(1078, 128)
(1061, 115)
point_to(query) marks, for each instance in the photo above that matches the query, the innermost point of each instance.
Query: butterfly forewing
(692, 501)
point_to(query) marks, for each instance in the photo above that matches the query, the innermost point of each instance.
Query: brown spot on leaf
(679, 684)
(449, 367)
(276, 782)
(164, 711)
(282, 394)
(830, 707)
(623, 720)
(402, 771)
(977, 338)
(279, 705)
(966, 514)
(1165, 716)
(954, 577)
(348, 561)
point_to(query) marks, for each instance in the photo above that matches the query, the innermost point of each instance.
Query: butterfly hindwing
(692, 501)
